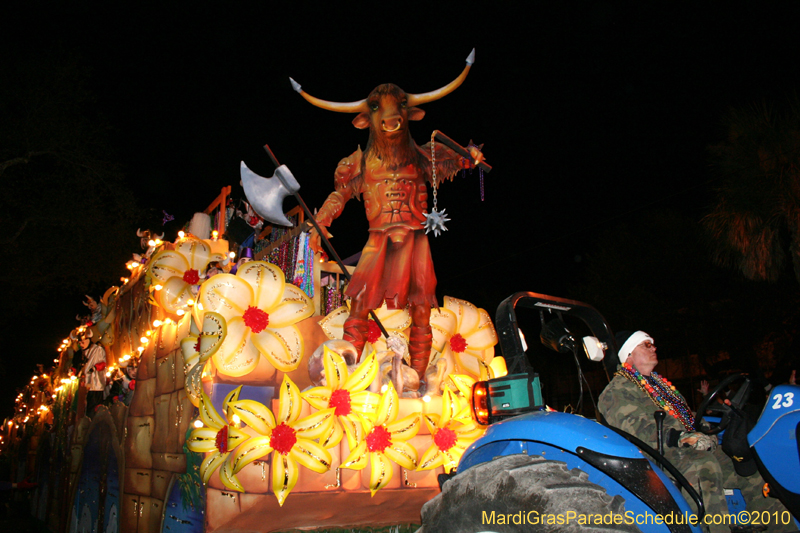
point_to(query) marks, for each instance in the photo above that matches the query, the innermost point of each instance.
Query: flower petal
(255, 415)
(431, 459)
(232, 396)
(208, 414)
(267, 282)
(311, 455)
(293, 307)
(405, 428)
(394, 320)
(431, 421)
(381, 471)
(318, 397)
(336, 373)
(202, 440)
(228, 478)
(315, 425)
(365, 402)
(196, 253)
(388, 406)
(283, 347)
(450, 408)
(190, 356)
(357, 458)
(443, 326)
(236, 356)
(211, 463)
(403, 454)
(466, 314)
(334, 435)
(215, 329)
(290, 401)
(226, 294)
(175, 294)
(483, 335)
(193, 384)
(284, 476)
(469, 363)
(354, 428)
(166, 264)
(333, 323)
(364, 375)
(253, 449)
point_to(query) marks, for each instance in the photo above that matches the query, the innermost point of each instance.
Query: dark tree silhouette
(755, 222)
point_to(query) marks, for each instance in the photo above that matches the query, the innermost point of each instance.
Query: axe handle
(457, 148)
(325, 240)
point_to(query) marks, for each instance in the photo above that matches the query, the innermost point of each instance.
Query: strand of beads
(662, 393)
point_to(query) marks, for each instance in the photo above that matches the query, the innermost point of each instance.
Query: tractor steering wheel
(721, 409)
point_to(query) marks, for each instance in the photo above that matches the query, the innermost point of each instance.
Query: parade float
(260, 387)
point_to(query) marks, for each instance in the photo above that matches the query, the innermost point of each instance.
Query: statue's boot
(355, 332)
(419, 348)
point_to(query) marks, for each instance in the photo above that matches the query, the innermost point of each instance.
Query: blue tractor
(542, 470)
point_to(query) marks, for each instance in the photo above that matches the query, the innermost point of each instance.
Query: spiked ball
(435, 221)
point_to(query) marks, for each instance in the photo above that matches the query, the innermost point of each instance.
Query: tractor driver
(632, 397)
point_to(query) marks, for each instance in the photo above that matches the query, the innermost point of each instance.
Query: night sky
(591, 113)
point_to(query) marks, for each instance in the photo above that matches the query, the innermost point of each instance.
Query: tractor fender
(560, 430)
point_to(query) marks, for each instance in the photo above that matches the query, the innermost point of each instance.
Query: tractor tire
(518, 489)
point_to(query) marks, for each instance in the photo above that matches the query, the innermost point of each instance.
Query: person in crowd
(93, 372)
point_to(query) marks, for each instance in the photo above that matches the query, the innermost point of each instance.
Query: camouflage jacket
(625, 406)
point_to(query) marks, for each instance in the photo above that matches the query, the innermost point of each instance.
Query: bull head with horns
(391, 176)
(386, 112)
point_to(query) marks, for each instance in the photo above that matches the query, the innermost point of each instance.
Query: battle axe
(266, 198)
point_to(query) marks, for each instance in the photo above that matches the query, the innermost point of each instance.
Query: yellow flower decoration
(464, 335)
(260, 311)
(178, 270)
(394, 320)
(217, 437)
(385, 441)
(291, 441)
(346, 394)
(451, 437)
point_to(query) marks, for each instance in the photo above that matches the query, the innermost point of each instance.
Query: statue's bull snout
(392, 123)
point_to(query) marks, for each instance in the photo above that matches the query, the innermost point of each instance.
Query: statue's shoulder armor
(348, 169)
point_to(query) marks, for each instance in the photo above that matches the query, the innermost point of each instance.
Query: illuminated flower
(218, 437)
(345, 393)
(178, 270)
(260, 311)
(291, 441)
(385, 441)
(394, 320)
(464, 335)
(450, 436)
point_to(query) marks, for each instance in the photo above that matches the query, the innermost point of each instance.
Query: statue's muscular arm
(347, 183)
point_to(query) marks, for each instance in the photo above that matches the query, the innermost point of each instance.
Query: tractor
(536, 469)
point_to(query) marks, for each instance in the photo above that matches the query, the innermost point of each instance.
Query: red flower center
(191, 276)
(340, 399)
(282, 439)
(255, 319)
(457, 343)
(445, 439)
(197, 346)
(374, 332)
(378, 439)
(221, 441)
